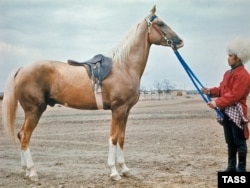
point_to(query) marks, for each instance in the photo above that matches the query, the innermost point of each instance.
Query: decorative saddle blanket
(98, 66)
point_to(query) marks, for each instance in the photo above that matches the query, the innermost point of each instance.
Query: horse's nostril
(178, 41)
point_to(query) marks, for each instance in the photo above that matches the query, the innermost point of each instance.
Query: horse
(48, 82)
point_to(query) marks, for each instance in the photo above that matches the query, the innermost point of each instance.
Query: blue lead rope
(196, 81)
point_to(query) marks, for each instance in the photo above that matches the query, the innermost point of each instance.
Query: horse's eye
(160, 24)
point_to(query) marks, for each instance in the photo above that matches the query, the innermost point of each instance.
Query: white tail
(9, 106)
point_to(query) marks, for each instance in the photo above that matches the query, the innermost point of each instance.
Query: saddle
(98, 66)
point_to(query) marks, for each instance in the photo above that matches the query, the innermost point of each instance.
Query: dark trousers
(236, 143)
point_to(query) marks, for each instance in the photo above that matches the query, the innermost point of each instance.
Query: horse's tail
(9, 107)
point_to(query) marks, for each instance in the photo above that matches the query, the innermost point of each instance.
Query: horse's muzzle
(177, 43)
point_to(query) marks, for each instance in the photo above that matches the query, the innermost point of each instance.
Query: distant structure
(165, 94)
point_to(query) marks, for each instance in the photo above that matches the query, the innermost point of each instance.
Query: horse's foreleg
(116, 142)
(116, 153)
(117, 118)
(121, 161)
(111, 160)
(120, 148)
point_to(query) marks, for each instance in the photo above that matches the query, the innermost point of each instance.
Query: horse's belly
(74, 89)
(79, 99)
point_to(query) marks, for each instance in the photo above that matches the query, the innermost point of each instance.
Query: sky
(32, 30)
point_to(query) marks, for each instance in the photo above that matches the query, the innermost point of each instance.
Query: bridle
(150, 23)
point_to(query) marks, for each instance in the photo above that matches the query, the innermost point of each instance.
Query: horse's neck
(139, 51)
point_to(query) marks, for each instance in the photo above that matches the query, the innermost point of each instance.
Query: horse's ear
(153, 10)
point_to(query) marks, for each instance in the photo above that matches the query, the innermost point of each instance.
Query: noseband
(163, 35)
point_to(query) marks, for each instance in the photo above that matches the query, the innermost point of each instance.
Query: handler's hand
(205, 90)
(212, 104)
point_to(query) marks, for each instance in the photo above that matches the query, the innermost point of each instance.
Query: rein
(190, 73)
(195, 81)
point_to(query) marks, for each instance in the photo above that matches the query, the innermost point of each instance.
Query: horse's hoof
(33, 175)
(115, 177)
(126, 173)
(33, 178)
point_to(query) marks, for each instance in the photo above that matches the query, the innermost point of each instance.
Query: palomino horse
(51, 82)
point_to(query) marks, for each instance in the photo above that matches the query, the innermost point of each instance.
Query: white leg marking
(24, 165)
(121, 161)
(23, 162)
(31, 172)
(120, 154)
(111, 161)
(28, 158)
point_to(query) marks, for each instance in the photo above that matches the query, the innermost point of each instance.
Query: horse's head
(160, 33)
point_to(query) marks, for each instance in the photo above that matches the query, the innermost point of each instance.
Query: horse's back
(37, 73)
(55, 81)
(48, 71)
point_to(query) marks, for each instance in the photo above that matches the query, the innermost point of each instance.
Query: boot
(242, 161)
(231, 167)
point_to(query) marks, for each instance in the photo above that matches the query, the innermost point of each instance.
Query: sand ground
(169, 143)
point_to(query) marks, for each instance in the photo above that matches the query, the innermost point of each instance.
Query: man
(231, 100)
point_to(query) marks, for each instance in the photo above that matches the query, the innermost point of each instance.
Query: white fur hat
(241, 48)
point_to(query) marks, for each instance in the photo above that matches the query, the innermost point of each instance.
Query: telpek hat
(241, 48)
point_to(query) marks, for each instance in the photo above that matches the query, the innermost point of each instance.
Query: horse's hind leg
(31, 120)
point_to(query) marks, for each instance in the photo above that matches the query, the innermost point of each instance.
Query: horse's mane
(121, 51)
